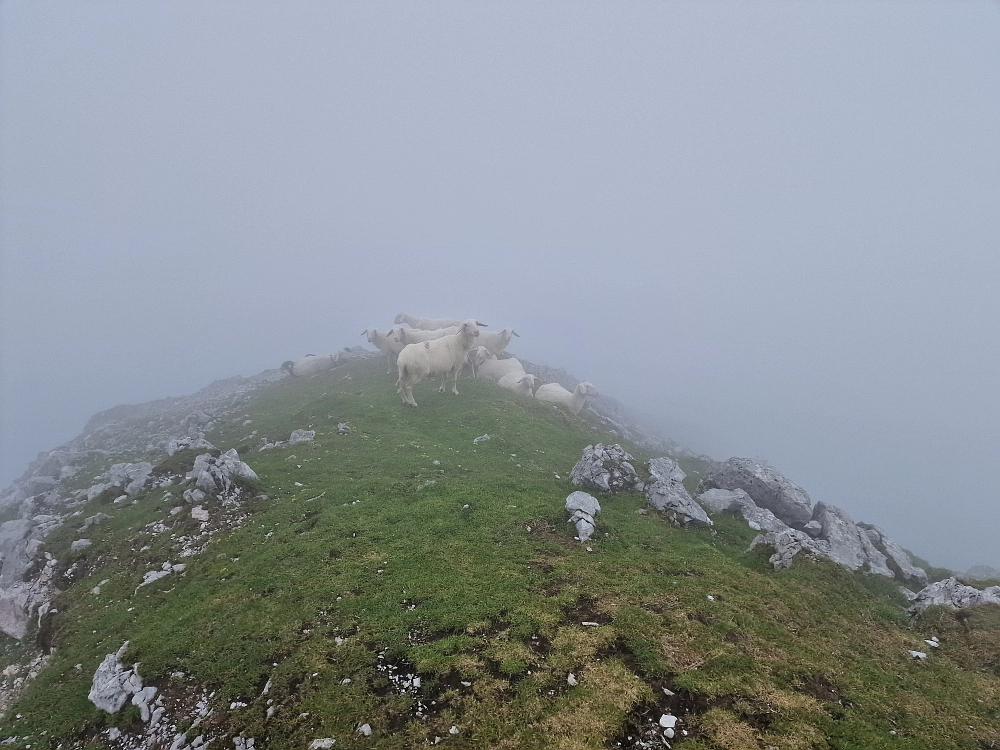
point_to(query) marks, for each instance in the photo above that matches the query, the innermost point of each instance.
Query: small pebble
(572, 679)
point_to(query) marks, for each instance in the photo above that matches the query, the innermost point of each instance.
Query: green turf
(365, 538)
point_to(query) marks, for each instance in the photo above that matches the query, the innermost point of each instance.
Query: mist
(770, 229)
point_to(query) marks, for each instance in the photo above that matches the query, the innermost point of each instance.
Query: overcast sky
(771, 228)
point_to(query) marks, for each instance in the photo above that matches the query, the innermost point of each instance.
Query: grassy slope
(493, 595)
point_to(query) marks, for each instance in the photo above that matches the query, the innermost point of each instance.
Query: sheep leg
(454, 386)
(444, 379)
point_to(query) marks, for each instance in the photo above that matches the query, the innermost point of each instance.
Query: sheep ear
(484, 325)
(515, 333)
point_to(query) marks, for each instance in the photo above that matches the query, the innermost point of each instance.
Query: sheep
(430, 324)
(524, 385)
(556, 394)
(492, 368)
(385, 343)
(443, 356)
(404, 336)
(497, 341)
(311, 364)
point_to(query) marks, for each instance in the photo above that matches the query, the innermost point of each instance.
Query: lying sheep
(523, 385)
(444, 356)
(492, 368)
(476, 357)
(430, 324)
(556, 394)
(385, 343)
(311, 364)
(497, 341)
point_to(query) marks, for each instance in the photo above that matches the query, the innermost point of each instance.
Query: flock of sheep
(444, 346)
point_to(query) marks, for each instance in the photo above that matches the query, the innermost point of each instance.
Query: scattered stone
(301, 436)
(918, 655)
(199, 514)
(480, 439)
(571, 680)
(80, 544)
(214, 475)
(343, 428)
(95, 520)
(188, 443)
(453, 730)
(767, 487)
(365, 729)
(194, 497)
(668, 721)
(666, 493)
(605, 469)
(324, 744)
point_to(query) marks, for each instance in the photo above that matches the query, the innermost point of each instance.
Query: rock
(142, 699)
(896, 558)
(583, 508)
(766, 487)
(668, 721)
(813, 529)
(301, 436)
(199, 514)
(583, 502)
(787, 544)
(849, 545)
(571, 680)
(214, 475)
(188, 443)
(133, 477)
(480, 439)
(918, 655)
(365, 729)
(113, 684)
(954, 595)
(95, 520)
(605, 469)
(14, 538)
(667, 493)
(759, 519)
(80, 544)
(95, 490)
(322, 744)
(194, 497)
(718, 501)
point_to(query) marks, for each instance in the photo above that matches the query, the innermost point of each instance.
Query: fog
(770, 229)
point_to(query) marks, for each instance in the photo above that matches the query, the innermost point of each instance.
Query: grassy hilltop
(354, 565)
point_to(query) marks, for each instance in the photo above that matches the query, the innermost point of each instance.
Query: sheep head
(398, 334)
(469, 330)
(587, 389)
(400, 318)
(478, 356)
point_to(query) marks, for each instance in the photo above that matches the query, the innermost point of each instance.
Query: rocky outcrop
(113, 684)
(583, 509)
(739, 503)
(301, 436)
(896, 558)
(667, 493)
(605, 469)
(955, 595)
(214, 475)
(719, 501)
(849, 545)
(765, 486)
(982, 573)
(788, 544)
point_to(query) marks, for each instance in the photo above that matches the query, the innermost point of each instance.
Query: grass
(356, 559)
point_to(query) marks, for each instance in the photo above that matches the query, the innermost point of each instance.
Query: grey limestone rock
(583, 508)
(951, 593)
(982, 573)
(95, 520)
(214, 475)
(667, 493)
(113, 684)
(718, 501)
(813, 529)
(758, 519)
(896, 557)
(605, 469)
(188, 443)
(767, 487)
(80, 544)
(789, 543)
(301, 436)
(849, 545)
(132, 477)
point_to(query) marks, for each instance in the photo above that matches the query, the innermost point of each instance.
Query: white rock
(80, 544)
(199, 514)
(365, 729)
(453, 730)
(668, 721)
(918, 654)
(323, 744)
(572, 680)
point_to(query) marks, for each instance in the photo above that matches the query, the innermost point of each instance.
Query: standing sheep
(556, 394)
(443, 356)
(385, 343)
(497, 341)
(430, 324)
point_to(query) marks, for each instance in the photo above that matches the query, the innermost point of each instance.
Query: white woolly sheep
(430, 324)
(493, 369)
(385, 343)
(311, 364)
(404, 336)
(497, 341)
(556, 394)
(520, 383)
(444, 356)
(476, 357)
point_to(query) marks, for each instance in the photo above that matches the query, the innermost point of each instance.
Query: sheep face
(398, 334)
(400, 318)
(587, 389)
